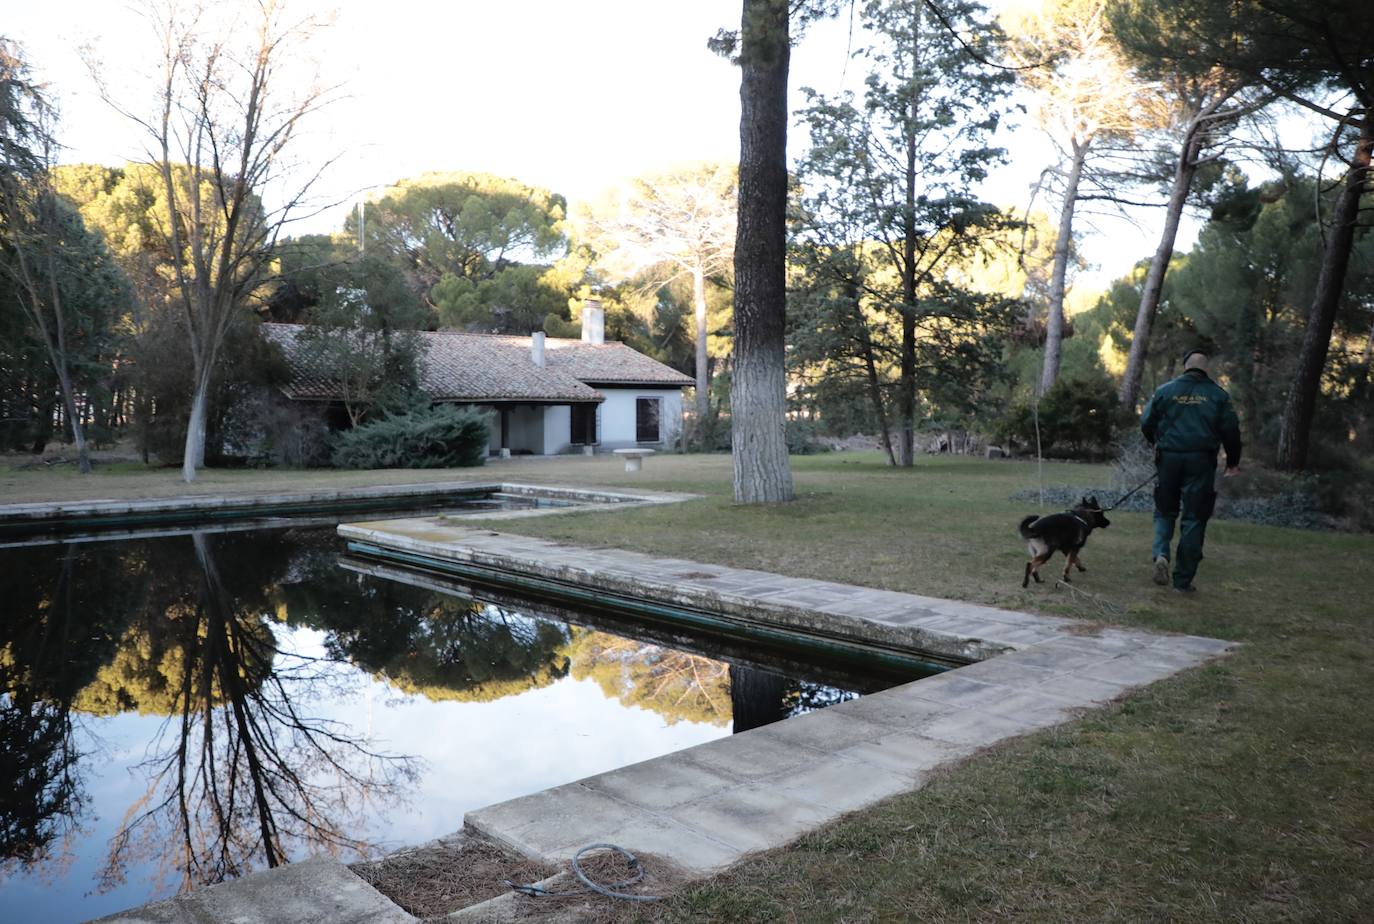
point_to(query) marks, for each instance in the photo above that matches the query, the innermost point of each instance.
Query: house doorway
(583, 431)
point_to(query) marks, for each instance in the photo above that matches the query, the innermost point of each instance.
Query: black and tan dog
(1060, 532)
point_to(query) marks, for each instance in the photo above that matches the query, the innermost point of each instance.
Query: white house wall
(557, 429)
(527, 429)
(617, 419)
(547, 429)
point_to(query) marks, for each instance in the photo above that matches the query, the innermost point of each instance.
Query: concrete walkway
(707, 806)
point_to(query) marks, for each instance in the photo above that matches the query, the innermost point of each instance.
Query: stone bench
(634, 458)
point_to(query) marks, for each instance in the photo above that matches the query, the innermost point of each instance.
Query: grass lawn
(1240, 791)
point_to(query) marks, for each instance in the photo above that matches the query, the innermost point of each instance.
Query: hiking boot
(1185, 589)
(1161, 575)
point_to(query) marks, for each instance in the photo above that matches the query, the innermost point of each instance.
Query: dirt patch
(573, 902)
(434, 881)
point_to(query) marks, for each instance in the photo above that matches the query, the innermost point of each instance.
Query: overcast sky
(572, 96)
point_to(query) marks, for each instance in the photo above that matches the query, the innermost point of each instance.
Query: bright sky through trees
(568, 96)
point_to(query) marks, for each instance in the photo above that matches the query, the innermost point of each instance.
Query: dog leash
(1122, 499)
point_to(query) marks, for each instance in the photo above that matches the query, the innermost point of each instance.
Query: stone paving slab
(310, 892)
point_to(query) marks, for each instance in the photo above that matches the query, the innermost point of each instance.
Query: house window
(583, 425)
(647, 416)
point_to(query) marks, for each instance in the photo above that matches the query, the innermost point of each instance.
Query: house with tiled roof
(548, 395)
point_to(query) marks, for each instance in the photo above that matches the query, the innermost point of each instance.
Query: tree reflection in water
(680, 686)
(239, 774)
(45, 660)
(424, 643)
(677, 685)
(203, 633)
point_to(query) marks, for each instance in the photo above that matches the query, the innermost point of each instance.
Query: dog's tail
(1026, 531)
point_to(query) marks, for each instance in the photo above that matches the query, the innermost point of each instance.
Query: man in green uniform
(1186, 421)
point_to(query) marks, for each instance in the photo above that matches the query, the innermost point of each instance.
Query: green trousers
(1185, 485)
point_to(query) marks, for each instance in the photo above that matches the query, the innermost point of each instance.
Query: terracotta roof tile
(611, 363)
(488, 367)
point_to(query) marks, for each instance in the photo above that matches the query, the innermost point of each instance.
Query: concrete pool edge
(59, 517)
(706, 807)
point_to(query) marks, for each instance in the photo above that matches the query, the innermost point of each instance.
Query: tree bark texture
(194, 455)
(1295, 430)
(1159, 265)
(1054, 323)
(703, 369)
(758, 397)
(875, 393)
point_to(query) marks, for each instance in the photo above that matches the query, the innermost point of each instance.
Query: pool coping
(106, 517)
(706, 807)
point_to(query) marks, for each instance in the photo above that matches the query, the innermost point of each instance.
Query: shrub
(1077, 419)
(262, 428)
(803, 438)
(442, 436)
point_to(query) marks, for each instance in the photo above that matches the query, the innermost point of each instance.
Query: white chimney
(593, 322)
(537, 347)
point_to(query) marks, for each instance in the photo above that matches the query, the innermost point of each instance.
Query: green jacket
(1192, 414)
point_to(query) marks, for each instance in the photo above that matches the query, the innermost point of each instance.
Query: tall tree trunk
(55, 340)
(906, 394)
(758, 397)
(1159, 265)
(906, 400)
(875, 392)
(1296, 428)
(1054, 323)
(83, 455)
(703, 363)
(194, 455)
(42, 420)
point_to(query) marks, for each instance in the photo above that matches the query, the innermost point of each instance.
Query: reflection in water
(234, 645)
(442, 648)
(756, 697)
(240, 775)
(676, 685)
(41, 662)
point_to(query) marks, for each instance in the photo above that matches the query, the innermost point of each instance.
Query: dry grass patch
(430, 882)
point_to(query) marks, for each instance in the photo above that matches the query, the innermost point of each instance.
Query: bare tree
(31, 219)
(1087, 98)
(682, 220)
(229, 108)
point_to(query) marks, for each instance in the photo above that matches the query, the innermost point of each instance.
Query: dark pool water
(182, 710)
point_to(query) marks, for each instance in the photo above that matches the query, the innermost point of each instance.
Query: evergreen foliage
(473, 246)
(888, 212)
(1077, 419)
(440, 436)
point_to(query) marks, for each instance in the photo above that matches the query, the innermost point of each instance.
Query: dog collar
(1080, 519)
